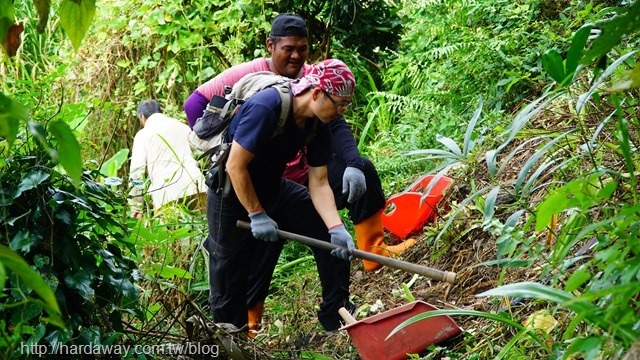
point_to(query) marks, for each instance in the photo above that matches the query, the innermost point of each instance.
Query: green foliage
(72, 239)
(12, 113)
(11, 261)
(627, 21)
(564, 71)
(584, 175)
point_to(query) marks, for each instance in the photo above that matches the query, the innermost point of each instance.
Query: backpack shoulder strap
(285, 94)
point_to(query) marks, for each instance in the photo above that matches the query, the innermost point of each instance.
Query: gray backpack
(210, 130)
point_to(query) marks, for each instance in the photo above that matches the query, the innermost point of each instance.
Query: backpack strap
(285, 94)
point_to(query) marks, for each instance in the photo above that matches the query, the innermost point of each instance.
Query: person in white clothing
(163, 163)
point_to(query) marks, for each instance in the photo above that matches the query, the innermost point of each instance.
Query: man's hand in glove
(340, 237)
(263, 227)
(354, 183)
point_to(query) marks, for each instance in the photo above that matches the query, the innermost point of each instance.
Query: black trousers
(241, 267)
(370, 203)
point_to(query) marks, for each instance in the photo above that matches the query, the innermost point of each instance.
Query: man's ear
(270, 46)
(316, 92)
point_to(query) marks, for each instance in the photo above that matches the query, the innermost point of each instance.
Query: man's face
(329, 107)
(288, 55)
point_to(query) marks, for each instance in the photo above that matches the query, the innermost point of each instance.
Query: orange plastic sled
(407, 212)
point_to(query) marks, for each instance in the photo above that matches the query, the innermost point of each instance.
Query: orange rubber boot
(254, 316)
(370, 238)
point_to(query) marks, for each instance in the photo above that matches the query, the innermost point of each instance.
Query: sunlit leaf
(542, 320)
(491, 157)
(531, 161)
(167, 271)
(450, 144)
(68, 149)
(76, 17)
(112, 165)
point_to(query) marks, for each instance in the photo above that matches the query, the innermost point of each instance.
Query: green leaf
(3, 276)
(30, 181)
(34, 281)
(169, 272)
(552, 63)
(578, 278)
(11, 113)
(589, 347)
(27, 313)
(612, 31)
(468, 143)
(450, 144)
(7, 17)
(76, 17)
(111, 167)
(559, 200)
(24, 240)
(38, 131)
(81, 281)
(584, 98)
(490, 205)
(68, 149)
(314, 356)
(434, 313)
(575, 51)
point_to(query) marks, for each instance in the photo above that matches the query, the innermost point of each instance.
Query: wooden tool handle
(446, 276)
(346, 316)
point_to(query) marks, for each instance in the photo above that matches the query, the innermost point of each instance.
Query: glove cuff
(335, 227)
(257, 212)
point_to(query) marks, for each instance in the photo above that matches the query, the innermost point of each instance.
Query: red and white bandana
(331, 75)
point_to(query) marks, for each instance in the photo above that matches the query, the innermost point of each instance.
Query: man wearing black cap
(353, 179)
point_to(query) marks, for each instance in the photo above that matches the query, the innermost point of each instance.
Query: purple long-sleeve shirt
(343, 142)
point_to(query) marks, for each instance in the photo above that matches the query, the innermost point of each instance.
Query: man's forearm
(246, 193)
(325, 205)
(322, 196)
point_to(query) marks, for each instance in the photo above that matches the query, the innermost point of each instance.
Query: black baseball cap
(287, 24)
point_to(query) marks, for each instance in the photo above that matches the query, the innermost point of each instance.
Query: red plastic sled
(368, 335)
(406, 212)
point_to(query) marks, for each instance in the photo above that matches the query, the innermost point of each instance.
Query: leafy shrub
(71, 234)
